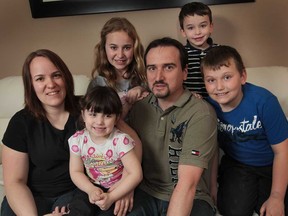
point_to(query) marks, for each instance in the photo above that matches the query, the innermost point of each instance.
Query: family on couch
(177, 131)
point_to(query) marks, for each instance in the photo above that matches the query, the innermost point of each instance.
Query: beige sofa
(11, 93)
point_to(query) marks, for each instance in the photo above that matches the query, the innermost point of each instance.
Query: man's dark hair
(169, 42)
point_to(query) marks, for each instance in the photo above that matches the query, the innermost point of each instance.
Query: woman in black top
(35, 151)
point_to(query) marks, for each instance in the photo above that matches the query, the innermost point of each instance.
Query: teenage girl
(119, 61)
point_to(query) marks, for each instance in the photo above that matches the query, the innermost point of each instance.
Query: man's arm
(181, 202)
(213, 186)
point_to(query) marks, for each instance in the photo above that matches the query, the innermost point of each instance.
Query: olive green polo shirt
(185, 133)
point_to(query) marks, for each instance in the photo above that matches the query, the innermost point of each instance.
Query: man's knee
(202, 208)
(144, 204)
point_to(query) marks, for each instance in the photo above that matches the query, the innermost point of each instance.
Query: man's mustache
(159, 82)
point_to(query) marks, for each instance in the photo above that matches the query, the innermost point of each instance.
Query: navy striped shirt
(194, 80)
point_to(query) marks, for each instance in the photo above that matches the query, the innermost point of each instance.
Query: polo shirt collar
(179, 103)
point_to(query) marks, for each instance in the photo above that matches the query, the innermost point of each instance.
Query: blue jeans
(146, 205)
(44, 205)
(242, 188)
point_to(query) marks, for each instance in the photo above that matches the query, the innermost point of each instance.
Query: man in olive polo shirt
(179, 137)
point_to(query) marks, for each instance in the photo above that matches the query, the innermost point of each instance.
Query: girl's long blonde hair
(102, 67)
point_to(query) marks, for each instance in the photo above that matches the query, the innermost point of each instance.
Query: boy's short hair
(219, 56)
(192, 8)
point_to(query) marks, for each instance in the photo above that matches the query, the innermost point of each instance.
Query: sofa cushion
(81, 83)
(12, 96)
(3, 125)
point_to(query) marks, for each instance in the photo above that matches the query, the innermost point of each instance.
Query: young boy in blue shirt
(196, 25)
(253, 133)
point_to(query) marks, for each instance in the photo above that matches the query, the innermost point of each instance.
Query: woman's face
(119, 50)
(48, 83)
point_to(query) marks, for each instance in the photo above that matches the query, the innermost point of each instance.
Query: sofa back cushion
(11, 95)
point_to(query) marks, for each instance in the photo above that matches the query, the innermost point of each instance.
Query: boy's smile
(197, 29)
(224, 85)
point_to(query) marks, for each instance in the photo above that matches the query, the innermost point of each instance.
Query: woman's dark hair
(32, 102)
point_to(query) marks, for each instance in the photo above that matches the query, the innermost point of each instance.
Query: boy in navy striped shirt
(196, 26)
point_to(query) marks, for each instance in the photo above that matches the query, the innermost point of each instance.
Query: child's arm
(81, 180)
(128, 183)
(275, 203)
(121, 209)
(135, 94)
(124, 127)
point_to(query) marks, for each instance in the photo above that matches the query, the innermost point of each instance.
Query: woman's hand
(59, 211)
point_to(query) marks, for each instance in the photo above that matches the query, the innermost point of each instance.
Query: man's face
(164, 73)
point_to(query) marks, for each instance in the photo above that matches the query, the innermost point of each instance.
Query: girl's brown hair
(102, 67)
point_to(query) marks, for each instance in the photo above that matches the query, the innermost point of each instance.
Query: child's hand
(124, 205)
(94, 195)
(144, 94)
(196, 95)
(105, 201)
(135, 94)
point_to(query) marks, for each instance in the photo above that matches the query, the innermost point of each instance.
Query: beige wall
(258, 30)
